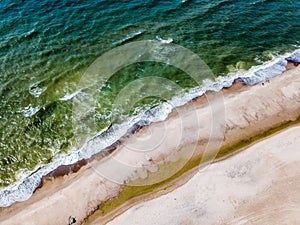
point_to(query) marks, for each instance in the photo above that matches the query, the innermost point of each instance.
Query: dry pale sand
(243, 112)
(260, 185)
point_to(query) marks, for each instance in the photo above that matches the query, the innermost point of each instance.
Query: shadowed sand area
(238, 116)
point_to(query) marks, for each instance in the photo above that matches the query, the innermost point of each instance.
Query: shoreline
(71, 163)
(64, 182)
(64, 170)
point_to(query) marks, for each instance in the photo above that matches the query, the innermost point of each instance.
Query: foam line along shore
(23, 189)
(45, 48)
(251, 110)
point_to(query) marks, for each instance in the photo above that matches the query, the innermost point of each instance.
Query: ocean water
(46, 46)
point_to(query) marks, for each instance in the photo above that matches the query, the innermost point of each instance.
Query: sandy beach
(259, 185)
(201, 127)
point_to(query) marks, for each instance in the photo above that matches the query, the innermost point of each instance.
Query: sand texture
(260, 185)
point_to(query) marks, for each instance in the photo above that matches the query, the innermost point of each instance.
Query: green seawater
(46, 47)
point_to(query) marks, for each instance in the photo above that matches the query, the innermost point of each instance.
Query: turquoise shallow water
(46, 46)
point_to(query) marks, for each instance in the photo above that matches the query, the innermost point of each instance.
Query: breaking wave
(23, 189)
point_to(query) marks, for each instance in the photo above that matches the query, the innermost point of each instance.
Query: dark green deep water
(46, 46)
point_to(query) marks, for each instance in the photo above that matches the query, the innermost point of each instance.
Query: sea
(46, 47)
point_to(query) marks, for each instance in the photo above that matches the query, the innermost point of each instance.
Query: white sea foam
(68, 97)
(37, 91)
(129, 37)
(23, 189)
(165, 41)
(30, 110)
